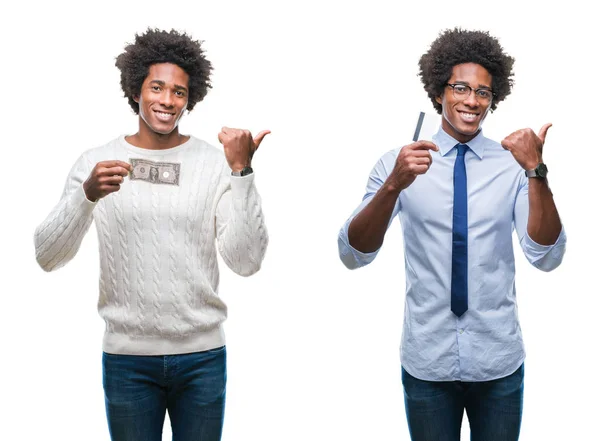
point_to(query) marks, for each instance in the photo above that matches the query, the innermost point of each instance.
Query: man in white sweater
(161, 201)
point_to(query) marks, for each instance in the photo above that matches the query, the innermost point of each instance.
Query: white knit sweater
(159, 277)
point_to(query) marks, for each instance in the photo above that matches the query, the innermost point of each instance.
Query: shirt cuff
(535, 248)
(350, 256)
(545, 257)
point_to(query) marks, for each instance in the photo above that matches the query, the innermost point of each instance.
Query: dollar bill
(155, 172)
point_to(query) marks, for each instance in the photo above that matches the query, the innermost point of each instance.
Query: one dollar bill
(155, 172)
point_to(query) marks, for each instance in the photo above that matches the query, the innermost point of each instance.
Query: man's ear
(136, 98)
(438, 99)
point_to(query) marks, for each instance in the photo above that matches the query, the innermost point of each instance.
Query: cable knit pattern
(176, 312)
(159, 277)
(124, 263)
(248, 239)
(156, 260)
(192, 210)
(138, 258)
(108, 271)
(58, 239)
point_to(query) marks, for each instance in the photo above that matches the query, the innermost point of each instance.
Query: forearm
(243, 237)
(543, 223)
(367, 230)
(59, 236)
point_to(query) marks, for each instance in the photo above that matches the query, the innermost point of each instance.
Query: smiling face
(462, 118)
(163, 98)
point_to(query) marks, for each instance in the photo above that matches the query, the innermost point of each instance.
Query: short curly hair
(157, 46)
(458, 46)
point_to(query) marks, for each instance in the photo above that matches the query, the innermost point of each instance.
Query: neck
(147, 138)
(463, 139)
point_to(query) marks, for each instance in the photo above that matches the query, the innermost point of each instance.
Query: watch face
(542, 170)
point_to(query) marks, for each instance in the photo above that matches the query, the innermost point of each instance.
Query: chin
(469, 131)
(162, 130)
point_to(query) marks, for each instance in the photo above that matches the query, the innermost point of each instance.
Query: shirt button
(460, 331)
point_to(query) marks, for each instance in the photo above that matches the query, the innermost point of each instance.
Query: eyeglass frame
(453, 85)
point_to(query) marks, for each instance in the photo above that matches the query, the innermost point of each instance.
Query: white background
(313, 347)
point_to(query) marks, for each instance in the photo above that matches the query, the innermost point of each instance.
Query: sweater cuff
(241, 185)
(80, 199)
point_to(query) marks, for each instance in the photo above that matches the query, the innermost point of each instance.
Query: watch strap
(243, 172)
(531, 173)
(541, 171)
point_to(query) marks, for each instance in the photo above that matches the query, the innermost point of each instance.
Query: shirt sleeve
(58, 238)
(351, 257)
(543, 257)
(241, 231)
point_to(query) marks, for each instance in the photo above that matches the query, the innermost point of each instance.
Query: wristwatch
(243, 172)
(539, 172)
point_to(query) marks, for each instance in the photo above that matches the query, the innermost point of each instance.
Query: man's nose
(471, 100)
(166, 98)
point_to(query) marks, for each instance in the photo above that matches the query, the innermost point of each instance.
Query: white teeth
(468, 116)
(164, 116)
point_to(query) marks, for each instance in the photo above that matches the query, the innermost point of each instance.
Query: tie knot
(461, 149)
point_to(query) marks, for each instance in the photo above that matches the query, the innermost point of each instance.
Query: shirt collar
(446, 143)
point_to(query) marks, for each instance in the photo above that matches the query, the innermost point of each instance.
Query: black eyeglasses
(462, 91)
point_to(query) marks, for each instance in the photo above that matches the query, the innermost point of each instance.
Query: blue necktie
(459, 287)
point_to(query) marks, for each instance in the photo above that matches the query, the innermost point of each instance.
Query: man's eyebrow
(481, 86)
(162, 83)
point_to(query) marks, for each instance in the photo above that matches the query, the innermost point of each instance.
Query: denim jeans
(434, 409)
(139, 390)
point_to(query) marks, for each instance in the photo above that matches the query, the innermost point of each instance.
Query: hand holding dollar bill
(106, 177)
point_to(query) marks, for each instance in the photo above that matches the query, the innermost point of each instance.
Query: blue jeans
(138, 390)
(434, 409)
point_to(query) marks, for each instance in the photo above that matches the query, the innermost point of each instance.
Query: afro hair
(157, 46)
(458, 46)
